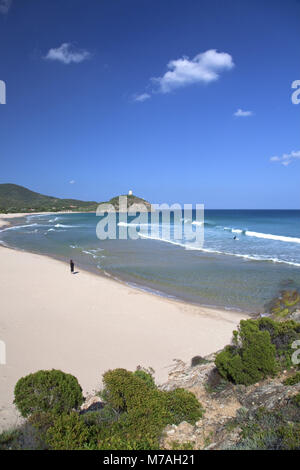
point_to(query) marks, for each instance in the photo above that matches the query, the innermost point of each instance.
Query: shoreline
(88, 269)
(4, 218)
(86, 324)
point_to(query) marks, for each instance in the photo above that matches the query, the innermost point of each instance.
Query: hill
(131, 199)
(15, 198)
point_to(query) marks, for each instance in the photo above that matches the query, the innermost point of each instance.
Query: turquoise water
(243, 273)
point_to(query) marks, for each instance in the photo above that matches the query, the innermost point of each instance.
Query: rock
(182, 375)
(268, 395)
(91, 403)
(295, 316)
(185, 428)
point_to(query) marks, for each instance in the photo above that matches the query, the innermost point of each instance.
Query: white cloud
(241, 113)
(72, 181)
(68, 54)
(286, 158)
(142, 97)
(5, 6)
(203, 68)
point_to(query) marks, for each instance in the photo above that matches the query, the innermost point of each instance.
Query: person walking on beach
(72, 266)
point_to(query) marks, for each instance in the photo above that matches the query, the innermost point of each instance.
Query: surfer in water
(234, 237)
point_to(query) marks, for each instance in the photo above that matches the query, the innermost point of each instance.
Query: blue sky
(105, 96)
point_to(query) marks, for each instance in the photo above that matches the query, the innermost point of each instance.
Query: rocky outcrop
(221, 401)
(269, 394)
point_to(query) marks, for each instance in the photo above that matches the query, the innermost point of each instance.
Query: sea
(247, 257)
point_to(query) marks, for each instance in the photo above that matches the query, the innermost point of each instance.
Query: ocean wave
(149, 237)
(219, 252)
(129, 224)
(245, 256)
(16, 227)
(198, 223)
(90, 253)
(266, 236)
(270, 236)
(65, 226)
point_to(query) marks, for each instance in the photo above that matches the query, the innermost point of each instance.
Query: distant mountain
(15, 198)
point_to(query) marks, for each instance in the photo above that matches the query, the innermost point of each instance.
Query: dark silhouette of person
(72, 266)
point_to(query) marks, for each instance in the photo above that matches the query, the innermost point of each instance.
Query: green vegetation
(198, 361)
(131, 199)
(146, 376)
(269, 430)
(68, 432)
(251, 358)
(296, 400)
(282, 306)
(133, 414)
(260, 348)
(47, 390)
(293, 379)
(15, 198)
(144, 411)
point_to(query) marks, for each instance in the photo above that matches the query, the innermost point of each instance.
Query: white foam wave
(270, 236)
(266, 236)
(208, 250)
(197, 223)
(16, 227)
(245, 256)
(65, 226)
(162, 240)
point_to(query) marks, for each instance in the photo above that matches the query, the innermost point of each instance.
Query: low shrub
(7, 439)
(269, 430)
(198, 361)
(145, 411)
(296, 400)
(47, 390)
(260, 348)
(146, 376)
(123, 390)
(282, 336)
(293, 379)
(68, 432)
(133, 416)
(251, 358)
(183, 406)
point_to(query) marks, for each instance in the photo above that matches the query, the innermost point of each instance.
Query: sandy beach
(5, 218)
(85, 324)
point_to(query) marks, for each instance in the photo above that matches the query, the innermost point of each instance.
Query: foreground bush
(47, 390)
(293, 380)
(282, 336)
(144, 411)
(146, 376)
(132, 417)
(251, 358)
(269, 430)
(68, 433)
(183, 406)
(260, 348)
